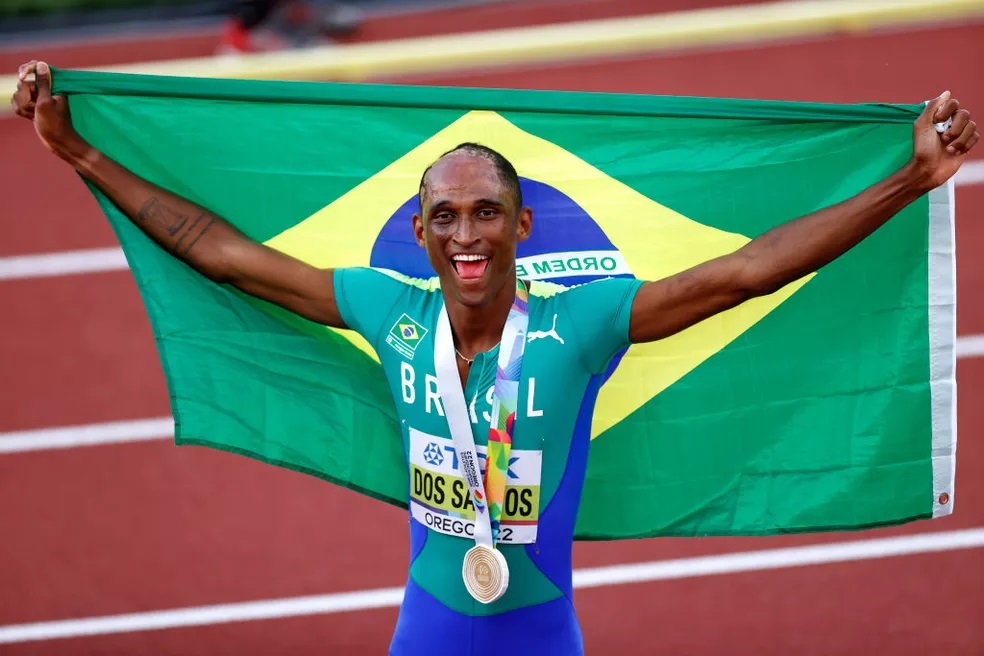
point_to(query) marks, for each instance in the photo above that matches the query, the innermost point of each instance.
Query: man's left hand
(938, 156)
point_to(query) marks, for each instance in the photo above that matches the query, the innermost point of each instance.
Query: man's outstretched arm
(191, 233)
(792, 250)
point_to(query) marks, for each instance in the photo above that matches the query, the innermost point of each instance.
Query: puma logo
(541, 334)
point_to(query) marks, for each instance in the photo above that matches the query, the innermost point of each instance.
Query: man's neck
(479, 328)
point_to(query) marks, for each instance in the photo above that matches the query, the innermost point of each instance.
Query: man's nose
(466, 233)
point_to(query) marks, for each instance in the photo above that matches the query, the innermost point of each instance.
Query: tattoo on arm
(175, 224)
(201, 233)
(157, 212)
(177, 245)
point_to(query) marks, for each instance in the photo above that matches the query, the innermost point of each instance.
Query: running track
(115, 529)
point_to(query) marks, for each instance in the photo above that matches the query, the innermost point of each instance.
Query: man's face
(470, 225)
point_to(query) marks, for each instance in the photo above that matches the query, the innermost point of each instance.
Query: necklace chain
(467, 360)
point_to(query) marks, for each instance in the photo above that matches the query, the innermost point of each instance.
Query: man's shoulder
(581, 291)
(383, 276)
(371, 299)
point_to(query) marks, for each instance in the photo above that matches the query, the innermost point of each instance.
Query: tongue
(471, 270)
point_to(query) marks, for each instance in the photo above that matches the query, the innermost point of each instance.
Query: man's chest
(550, 390)
(551, 385)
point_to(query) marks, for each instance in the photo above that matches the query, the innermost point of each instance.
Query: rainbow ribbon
(504, 403)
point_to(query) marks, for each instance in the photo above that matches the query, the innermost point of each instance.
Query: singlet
(573, 335)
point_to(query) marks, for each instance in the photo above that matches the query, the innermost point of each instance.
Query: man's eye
(487, 214)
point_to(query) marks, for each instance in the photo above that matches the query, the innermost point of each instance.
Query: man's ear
(524, 223)
(418, 230)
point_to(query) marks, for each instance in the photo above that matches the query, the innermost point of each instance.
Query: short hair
(503, 168)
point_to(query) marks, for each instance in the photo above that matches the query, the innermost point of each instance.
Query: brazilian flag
(827, 405)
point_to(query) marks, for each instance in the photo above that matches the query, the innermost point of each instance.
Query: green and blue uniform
(573, 334)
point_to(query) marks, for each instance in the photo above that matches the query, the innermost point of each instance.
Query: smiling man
(494, 378)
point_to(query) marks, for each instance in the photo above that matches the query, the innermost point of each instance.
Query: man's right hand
(53, 123)
(193, 234)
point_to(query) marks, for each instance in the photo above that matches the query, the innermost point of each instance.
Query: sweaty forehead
(459, 173)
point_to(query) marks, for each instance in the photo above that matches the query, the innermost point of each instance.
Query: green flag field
(827, 405)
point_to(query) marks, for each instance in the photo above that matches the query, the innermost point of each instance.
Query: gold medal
(486, 573)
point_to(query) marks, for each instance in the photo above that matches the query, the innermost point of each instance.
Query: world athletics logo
(433, 455)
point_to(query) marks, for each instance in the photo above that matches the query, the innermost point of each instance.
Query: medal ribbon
(488, 509)
(504, 402)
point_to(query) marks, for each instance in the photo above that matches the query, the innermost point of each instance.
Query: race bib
(439, 496)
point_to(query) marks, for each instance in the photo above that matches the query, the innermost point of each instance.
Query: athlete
(305, 22)
(440, 343)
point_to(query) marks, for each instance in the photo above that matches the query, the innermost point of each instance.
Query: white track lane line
(971, 346)
(161, 428)
(96, 260)
(63, 263)
(680, 568)
(971, 173)
(66, 437)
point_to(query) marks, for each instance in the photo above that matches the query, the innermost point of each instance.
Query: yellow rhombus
(665, 243)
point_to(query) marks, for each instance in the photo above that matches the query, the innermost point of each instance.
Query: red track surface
(128, 528)
(491, 16)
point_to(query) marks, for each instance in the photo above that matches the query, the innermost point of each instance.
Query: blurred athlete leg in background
(245, 15)
(296, 23)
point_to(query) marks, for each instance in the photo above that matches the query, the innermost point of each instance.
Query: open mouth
(470, 267)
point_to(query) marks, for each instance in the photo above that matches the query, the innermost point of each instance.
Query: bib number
(439, 496)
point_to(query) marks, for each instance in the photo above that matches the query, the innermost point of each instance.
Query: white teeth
(469, 258)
